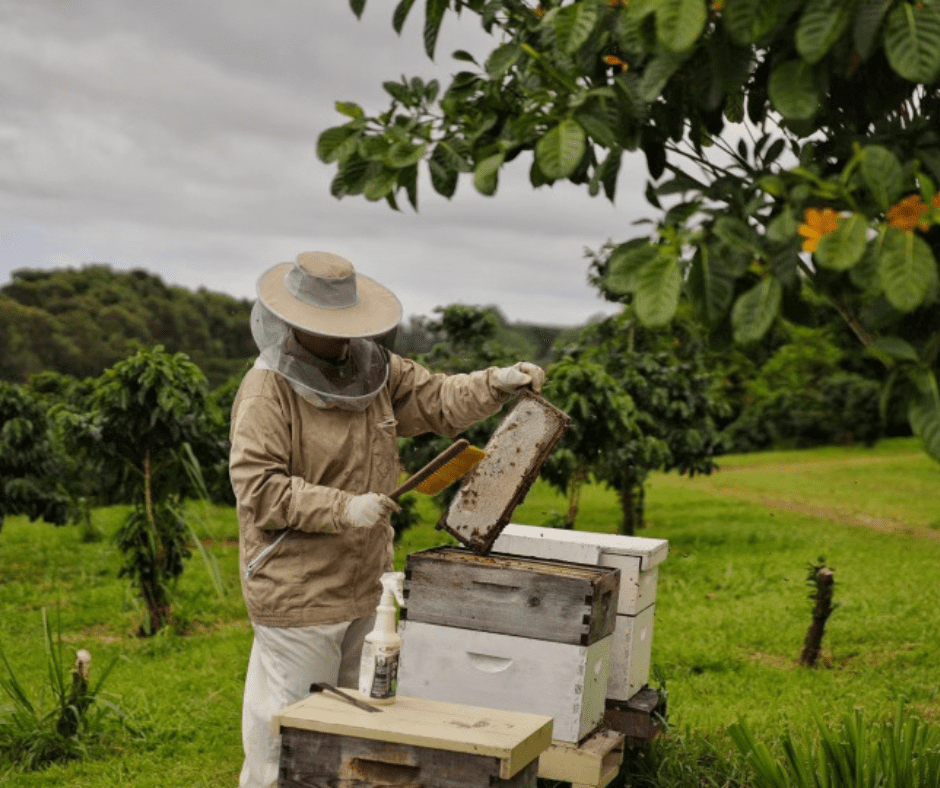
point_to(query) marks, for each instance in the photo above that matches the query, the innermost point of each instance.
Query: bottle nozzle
(393, 583)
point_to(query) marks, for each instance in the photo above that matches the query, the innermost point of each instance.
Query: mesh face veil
(351, 384)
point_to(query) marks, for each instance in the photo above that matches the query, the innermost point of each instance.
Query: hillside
(79, 322)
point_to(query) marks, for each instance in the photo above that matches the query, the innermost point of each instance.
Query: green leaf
(912, 41)
(401, 14)
(444, 168)
(747, 21)
(597, 128)
(658, 284)
(609, 171)
(486, 174)
(433, 16)
(462, 54)
(820, 25)
(907, 269)
(337, 143)
(841, 249)
(679, 23)
(573, 24)
(895, 348)
(404, 154)
(883, 175)
(783, 227)
(736, 233)
(657, 74)
(711, 285)
(624, 263)
(560, 150)
(380, 185)
(868, 19)
(503, 58)
(924, 417)
(793, 90)
(349, 109)
(397, 91)
(357, 6)
(755, 310)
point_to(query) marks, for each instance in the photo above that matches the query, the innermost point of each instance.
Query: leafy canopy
(792, 145)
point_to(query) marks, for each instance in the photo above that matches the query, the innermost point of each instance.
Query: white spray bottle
(378, 671)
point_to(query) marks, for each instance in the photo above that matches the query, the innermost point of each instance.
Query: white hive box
(560, 680)
(637, 558)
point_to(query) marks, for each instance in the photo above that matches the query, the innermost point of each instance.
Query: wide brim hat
(321, 293)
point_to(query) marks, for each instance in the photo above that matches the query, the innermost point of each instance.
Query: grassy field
(732, 609)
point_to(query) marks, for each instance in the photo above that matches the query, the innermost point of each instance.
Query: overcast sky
(179, 136)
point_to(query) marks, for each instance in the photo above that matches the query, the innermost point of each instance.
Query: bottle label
(380, 667)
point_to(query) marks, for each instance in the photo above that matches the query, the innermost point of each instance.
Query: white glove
(365, 511)
(520, 375)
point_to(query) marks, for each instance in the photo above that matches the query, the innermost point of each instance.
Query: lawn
(731, 613)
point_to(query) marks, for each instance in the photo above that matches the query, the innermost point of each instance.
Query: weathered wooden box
(327, 742)
(560, 680)
(637, 558)
(511, 595)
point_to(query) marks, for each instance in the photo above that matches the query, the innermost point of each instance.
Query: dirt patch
(835, 515)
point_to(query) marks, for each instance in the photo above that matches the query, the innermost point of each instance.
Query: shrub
(857, 754)
(34, 734)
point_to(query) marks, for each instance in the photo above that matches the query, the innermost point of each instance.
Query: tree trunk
(158, 609)
(812, 645)
(574, 496)
(631, 506)
(626, 510)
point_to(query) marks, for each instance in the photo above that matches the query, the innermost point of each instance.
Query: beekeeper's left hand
(520, 375)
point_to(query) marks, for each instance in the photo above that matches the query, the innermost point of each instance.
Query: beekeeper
(313, 459)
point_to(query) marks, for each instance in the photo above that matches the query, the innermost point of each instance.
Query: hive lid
(514, 454)
(581, 546)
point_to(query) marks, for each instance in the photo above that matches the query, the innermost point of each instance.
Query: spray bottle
(378, 671)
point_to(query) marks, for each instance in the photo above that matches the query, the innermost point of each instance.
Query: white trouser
(284, 662)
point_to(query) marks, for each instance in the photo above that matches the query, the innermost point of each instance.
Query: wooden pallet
(593, 763)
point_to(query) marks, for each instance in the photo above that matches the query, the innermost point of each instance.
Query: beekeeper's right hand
(367, 510)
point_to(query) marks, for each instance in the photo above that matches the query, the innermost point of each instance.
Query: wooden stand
(592, 764)
(326, 742)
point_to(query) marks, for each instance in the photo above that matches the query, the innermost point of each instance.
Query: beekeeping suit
(313, 459)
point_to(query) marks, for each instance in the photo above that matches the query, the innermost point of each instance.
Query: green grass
(731, 612)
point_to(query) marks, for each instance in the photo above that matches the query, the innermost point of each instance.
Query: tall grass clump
(902, 753)
(35, 731)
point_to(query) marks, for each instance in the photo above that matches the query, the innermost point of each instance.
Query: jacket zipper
(249, 570)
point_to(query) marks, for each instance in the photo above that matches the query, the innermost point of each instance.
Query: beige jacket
(293, 468)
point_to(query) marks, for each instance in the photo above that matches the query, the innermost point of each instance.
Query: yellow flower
(817, 224)
(613, 60)
(907, 214)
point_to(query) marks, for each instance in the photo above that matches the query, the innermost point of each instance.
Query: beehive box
(487, 496)
(528, 597)
(559, 680)
(637, 558)
(326, 741)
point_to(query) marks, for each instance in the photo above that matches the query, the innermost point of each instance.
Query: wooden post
(812, 645)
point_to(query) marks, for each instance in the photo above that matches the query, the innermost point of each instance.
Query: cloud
(180, 137)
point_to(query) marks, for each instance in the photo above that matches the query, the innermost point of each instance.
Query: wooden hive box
(527, 597)
(327, 742)
(559, 680)
(638, 560)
